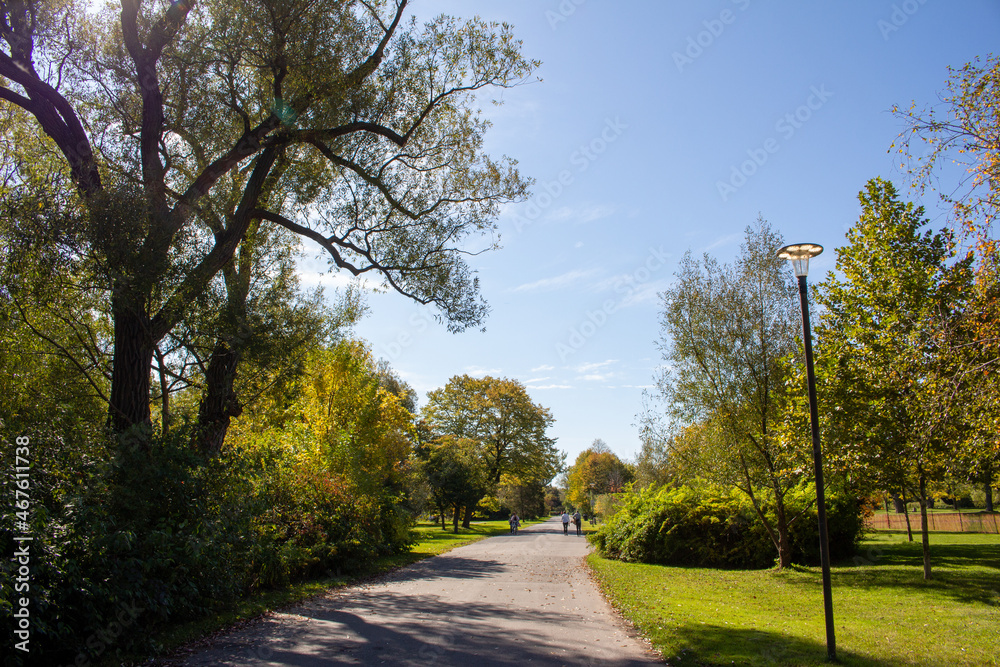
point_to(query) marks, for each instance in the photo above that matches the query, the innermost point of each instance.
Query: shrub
(712, 527)
(157, 534)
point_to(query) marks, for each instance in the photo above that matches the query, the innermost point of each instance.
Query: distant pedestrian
(515, 522)
(578, 522)
(565, 520)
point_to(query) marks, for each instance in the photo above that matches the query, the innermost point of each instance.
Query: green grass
(885, 613)
(431, 541)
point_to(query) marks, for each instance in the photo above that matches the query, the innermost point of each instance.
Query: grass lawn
(885, 614)
(431, 541)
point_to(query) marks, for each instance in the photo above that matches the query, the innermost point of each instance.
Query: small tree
(724, 333)
(597, 471)
(891, 334)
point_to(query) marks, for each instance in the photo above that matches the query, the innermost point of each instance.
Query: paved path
(506, 600)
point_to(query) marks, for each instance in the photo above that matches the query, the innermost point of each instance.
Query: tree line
(906, 344)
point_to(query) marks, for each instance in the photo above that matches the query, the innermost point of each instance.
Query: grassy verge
(431, 541)
(885, 614)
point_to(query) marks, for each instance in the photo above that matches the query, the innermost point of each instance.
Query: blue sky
(660, 127)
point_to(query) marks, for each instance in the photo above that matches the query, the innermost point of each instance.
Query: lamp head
(799, 254)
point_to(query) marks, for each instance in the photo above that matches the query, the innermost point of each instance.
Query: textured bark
(219, 404)
(129, 401)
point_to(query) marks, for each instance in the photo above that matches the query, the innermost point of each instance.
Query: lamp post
(799, 254)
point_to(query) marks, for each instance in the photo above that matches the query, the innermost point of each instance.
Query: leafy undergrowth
(885, 614)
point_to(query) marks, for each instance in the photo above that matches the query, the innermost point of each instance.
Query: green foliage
(499, 419)
(727, 333)
(146, 524)
(597, 471)
(170, 535)
(707, 526)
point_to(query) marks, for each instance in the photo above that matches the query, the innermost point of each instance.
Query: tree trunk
(458, 512)
(219, 405)
(467, 519)
(906, 515)
(784, 539)
(988, 478)
(164, 392)
(924, 534)
(898, 503)
(131, 367)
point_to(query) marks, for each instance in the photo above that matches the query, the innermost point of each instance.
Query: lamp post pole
(799, 255)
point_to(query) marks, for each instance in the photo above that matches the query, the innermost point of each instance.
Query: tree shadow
(448, 566)
(708, 645)
(379, 627)
(967, 573)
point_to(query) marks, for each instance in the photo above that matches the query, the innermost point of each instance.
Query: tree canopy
(181, 129)
(507, 427)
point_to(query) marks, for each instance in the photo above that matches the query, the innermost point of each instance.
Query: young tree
(724, 333)
(597, 471)
(184, 126)
(508, 429)
(364, 431)
(890, 330)
(965, 129)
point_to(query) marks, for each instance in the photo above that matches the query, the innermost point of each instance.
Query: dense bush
(712, 527)
(158, 535)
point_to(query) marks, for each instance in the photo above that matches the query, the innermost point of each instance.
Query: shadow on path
(396, 629)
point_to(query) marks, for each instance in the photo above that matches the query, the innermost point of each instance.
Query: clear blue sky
(644, 109)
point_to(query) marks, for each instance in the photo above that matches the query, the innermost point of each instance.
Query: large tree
(183, 127)
(507, 428)
(725, 330)
(891, 332)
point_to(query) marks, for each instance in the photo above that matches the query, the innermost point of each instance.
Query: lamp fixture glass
(799, 254)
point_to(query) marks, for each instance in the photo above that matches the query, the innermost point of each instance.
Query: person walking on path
(578, 522)
(515, 522)
(565, 520)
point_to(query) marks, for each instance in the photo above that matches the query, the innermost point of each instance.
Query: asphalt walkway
(510, 600)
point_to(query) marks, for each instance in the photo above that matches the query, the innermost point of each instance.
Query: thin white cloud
(556, 282)
(644, 293)
(725, 240)
(479, 371)
(597, 377)
(587, 368)
(542, 368)
(553, 386)
(537, 380)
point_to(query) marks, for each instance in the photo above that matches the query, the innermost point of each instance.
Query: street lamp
(799, 254)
